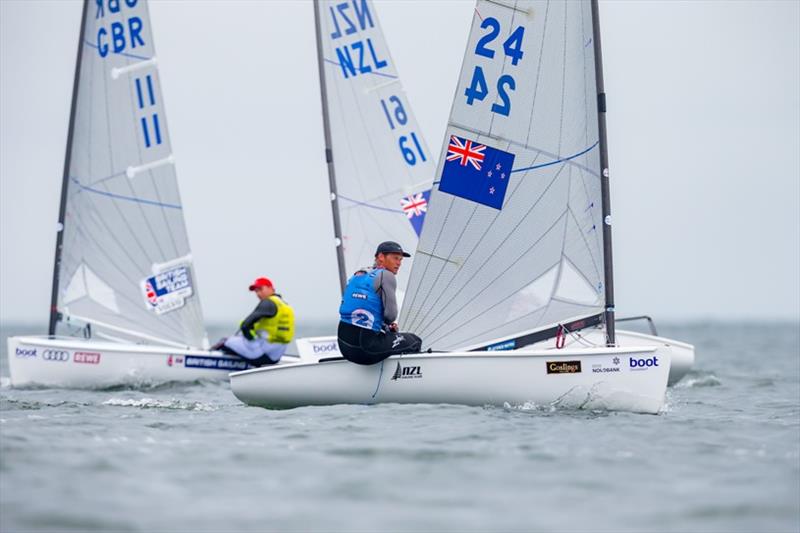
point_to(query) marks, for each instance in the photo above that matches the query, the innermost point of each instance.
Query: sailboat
(125, 304)
(516, 246)
(381, 172)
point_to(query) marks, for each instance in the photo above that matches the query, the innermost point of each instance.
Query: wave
(152, 403)
(698, 381)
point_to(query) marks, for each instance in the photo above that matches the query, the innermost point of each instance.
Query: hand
(393, 327)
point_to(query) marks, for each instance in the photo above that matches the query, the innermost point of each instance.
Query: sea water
(724, 455)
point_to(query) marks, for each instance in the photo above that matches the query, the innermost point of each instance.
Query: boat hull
(602, 378)
(76, 363)
(681, 353)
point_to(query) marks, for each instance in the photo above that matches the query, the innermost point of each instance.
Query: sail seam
(488, 230)
(122, 197)
(524, 146)
(488, 285)
(562, 160)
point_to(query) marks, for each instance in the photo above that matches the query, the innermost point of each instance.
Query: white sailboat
(125, 304)
(516, 247)
(380, 171)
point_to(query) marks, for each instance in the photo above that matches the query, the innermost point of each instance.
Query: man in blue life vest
(264, 335)
(367, 328)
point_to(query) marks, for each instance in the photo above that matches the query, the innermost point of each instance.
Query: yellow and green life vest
(279, 328)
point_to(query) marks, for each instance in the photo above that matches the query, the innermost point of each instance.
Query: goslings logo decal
(563, 367)
(406, 372)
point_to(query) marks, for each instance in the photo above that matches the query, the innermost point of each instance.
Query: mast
(51, 330)
(604, 182)
(337, 229)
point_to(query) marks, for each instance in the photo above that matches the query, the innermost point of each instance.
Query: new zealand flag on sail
(476, 172)
(415, 206)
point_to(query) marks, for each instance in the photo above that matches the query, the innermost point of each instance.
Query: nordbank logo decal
(406, 372)
(605, 368)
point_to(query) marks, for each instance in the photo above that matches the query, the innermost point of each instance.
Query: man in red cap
(264, 335)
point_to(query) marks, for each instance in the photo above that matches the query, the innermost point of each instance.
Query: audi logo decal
(55, 355)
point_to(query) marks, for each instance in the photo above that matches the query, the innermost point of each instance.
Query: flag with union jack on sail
(476, 172)
(415, 206)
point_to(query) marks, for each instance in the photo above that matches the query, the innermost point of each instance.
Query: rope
(378, 386)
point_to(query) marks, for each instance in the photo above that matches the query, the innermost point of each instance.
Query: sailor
(264, 335)
(368, 333)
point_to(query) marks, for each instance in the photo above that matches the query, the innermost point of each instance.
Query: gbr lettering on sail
(121, 35)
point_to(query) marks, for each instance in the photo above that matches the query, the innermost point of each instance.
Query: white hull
(681, 353)
(77, 363)
(602, 378)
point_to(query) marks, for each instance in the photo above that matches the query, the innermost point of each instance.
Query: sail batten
(512, 239)
(125, 261)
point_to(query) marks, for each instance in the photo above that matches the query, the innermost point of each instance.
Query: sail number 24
(486, 47)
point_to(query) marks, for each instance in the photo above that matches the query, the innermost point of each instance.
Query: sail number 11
(512, 47)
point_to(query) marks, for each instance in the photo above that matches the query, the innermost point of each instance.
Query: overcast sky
(703, 126)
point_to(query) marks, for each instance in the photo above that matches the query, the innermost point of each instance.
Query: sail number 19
(409, 144)
(512, 47)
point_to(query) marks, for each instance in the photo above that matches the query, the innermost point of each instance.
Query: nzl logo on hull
(406, 372)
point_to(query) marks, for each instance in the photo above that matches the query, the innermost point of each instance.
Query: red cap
(261, 282)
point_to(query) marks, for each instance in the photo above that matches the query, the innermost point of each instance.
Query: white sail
(513, 239)
(383, 168)
(125, 262)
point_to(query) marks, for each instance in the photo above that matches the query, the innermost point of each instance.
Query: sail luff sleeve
(51, 329)
(604, 181)
(329, 150)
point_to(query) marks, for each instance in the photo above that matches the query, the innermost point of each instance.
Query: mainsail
(380, 167)
(123, 262)
(513, 241)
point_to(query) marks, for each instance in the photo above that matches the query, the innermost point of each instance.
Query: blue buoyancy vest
(361, 305)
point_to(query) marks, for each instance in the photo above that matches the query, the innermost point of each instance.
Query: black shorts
(367, 347)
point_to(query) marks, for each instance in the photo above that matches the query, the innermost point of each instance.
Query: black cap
(391, 247)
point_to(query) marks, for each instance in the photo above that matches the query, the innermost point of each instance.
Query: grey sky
(704, 141)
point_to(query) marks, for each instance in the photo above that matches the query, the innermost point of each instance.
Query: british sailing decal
(168, 289)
